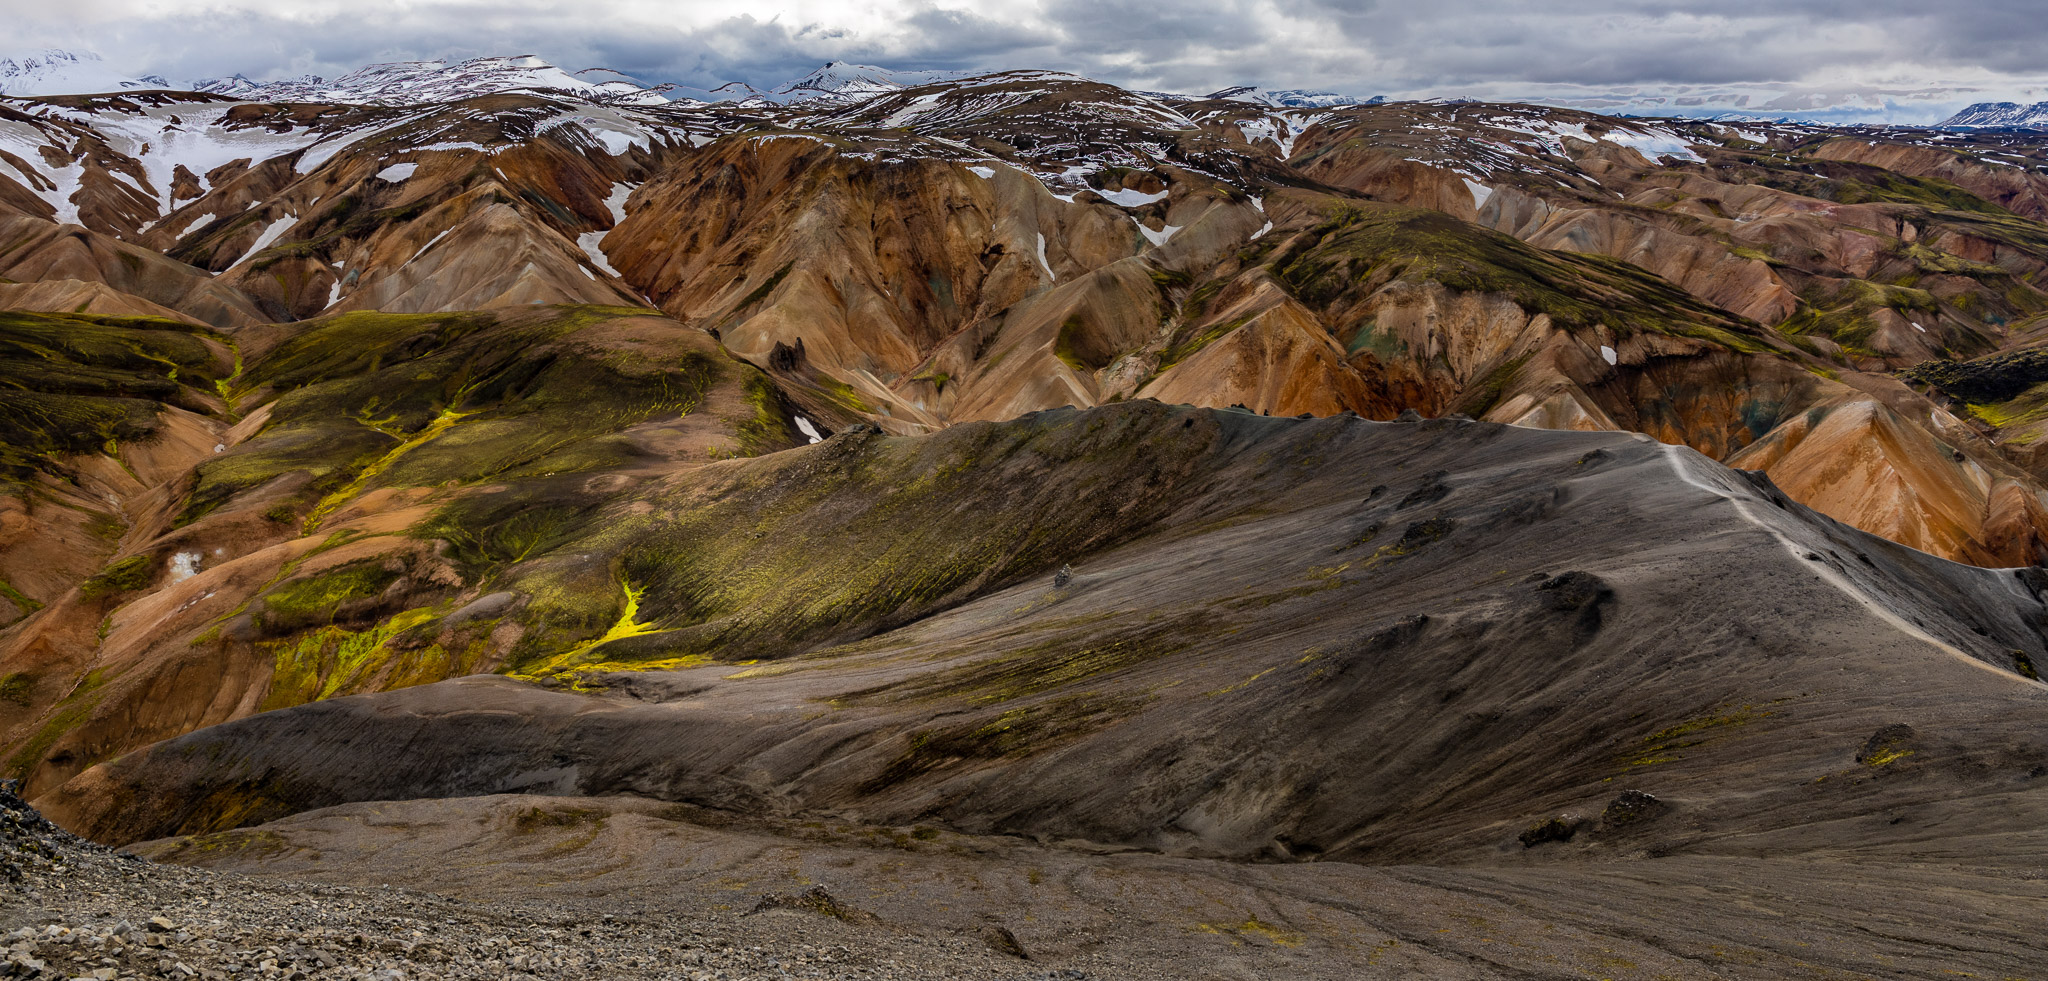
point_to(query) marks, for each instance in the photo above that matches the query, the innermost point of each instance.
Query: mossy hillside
(767, 427)
(23, 603)
(321, 599)
(1992, 379)
(862, 534)
(1849, 182)
(124, 576)
(1048, 667)
(423, 400)
(1014, 733)
(399, 652)
(74, 383)
(489, 532)
(1361, 248)
(68, 714)
(16, 687)
(2009, 390)
(1843, 310)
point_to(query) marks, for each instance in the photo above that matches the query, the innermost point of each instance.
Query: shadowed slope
(1330, 638)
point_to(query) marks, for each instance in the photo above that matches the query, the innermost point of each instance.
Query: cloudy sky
(1893, 57)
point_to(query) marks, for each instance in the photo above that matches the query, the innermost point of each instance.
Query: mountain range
(2001, 115)
(1306, 520)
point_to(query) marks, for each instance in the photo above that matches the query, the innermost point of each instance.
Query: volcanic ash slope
(1283, 639)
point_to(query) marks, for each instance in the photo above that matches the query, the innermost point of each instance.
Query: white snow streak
(1131, 199)
(809, 431)
(269, 235)
(1160, 237)
(1480, 192)
(589, 241)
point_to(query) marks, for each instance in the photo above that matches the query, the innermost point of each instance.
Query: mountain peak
(55, 71)
(2000, 115)
(841, 80)
(1291, 98)
(415, 82)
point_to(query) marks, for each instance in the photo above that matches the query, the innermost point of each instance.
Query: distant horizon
(1820, 60)
(1682, 103)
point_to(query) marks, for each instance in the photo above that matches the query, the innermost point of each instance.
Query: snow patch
(985, 173)
(1654, 143)
(589, 241)
(810, 432)
(397, 172)
(1131, 199)
(271, 234)
(184, 565)
(1916, 326)
(1160, 237)
(1262, 231)
(1049, 274)
(1608, 353)
(616, 201)
(429, 245)
(1480, 192)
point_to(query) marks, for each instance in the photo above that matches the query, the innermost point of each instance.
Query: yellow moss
(1246, 683)
(1253, 927)
(1887, 756)
(1658, 745)
(627, 625)
(330, 661)
(327, 505)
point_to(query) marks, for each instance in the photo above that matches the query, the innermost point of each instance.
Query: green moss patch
(73, 384)
(1359, 249)
(129, 574)
(372, 399)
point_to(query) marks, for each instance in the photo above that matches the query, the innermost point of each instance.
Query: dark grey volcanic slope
(1135, 915)
(1284, 640)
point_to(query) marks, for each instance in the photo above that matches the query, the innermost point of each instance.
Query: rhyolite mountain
(1216, 478)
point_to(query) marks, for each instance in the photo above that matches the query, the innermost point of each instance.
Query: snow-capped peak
(841, 81)
(415, 82)
(2000, 115)
(59, 72)
(1292, 98)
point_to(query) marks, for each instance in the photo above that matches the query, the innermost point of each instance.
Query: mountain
(1842, 106)
(420, 82)
(840, 81)
(1021, 480)
(2000, 115)
(56, 72)
(1293, 98)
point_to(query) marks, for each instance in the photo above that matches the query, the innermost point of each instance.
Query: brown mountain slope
(384, 461)
(883, 257)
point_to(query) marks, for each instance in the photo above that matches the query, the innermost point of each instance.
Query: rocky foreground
(626, 888)
(73, 909)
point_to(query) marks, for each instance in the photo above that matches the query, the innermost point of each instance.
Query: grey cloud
(1444, 47)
